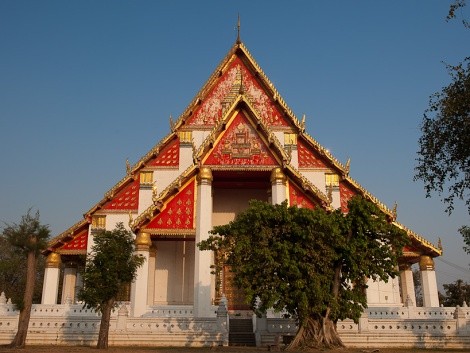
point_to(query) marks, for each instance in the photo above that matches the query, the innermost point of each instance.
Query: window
(146, 178)
(185, 136)
(290, 139)
(331, 180)
(98, 221)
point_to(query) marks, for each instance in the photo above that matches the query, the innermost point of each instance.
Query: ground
(74, 349)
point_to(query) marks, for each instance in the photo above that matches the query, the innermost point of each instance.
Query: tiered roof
(238, 101)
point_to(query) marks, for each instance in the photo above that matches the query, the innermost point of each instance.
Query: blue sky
(84, 85)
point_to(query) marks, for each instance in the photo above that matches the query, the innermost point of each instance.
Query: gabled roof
(67, 237)
(237, 85)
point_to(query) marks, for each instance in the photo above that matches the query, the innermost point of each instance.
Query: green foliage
(465, 232)
(444, 154)
(28, 235)
(456, 293)
(13, 273)
(16, 241)
(453, 8)
(111, 265)
(311, 263)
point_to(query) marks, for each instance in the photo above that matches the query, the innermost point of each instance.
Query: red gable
(168, 157)
(178, 212)
(241, 145)
(126, 199)
(345, 194)
(298, 198)
(78, 243)
(227, 89)
(307, 159)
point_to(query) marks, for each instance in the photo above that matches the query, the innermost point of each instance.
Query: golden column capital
(277, 176)
(53, 260)
(205, 174)
(426, 263)
(143, 241)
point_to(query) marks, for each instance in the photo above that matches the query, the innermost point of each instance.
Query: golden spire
(238, 30)
(128, 166)
(172, 124)
(348, 166)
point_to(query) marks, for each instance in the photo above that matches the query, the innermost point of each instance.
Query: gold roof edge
(64, 234)
(313, 188)
(276, 95)
(419, 238)
(131, 174)
(147, 214)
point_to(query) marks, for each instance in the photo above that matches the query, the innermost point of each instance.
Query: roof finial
(238, 30)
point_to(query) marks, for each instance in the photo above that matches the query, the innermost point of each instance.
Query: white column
(278, 186)
(68, 285)
(50, 286)
(407, 285)
(202, 259)
(139, 289)
(428, 281)
(151, 276)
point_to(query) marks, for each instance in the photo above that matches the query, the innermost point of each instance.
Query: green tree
(444, 152)
(110, 266)
(29, 238)
(456, 293)
(311, 263)
(13, 273)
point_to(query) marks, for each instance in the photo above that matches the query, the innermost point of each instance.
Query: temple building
(237, 140)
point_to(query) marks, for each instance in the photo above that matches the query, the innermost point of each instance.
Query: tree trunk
(25, 313)
(104, 325)
(316, 334)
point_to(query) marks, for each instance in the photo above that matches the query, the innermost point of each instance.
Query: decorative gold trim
(131, 175)
(419, 239)
(426, 263)
(68, 233)
(158, 202)
(277, 176)
(143, 241)
(53, 260)
(205, 173)
(307, 185)
(71, 252)
(171, 232)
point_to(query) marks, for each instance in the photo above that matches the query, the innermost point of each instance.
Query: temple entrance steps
(241, 332)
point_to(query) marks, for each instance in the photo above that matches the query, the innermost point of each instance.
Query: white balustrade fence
(407, 327)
